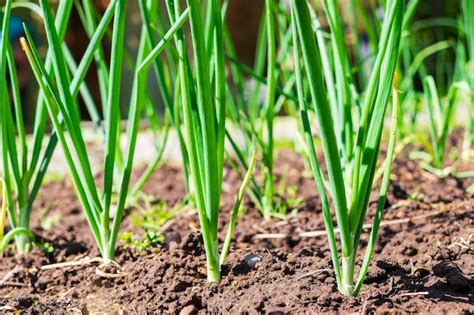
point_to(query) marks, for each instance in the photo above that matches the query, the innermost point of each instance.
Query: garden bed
(422, 262)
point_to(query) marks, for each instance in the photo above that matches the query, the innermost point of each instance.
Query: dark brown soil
(421, 264)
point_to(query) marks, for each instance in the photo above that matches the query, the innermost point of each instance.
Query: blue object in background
(16, 28)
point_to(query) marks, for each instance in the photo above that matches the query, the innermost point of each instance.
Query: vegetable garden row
(362, 90)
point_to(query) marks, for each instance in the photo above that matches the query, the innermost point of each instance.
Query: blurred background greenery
(243, 20)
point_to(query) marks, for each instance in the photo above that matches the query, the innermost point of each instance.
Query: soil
(423, 261)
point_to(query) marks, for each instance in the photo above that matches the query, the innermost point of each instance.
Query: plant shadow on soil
(420, 265)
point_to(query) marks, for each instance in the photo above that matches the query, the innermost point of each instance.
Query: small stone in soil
(409, 251)
(252, 259)
(188, 310)
(173, 239)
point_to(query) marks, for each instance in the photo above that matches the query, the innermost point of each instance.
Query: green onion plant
(160, 127)
(165, 72)
(441, 113)
(413, 68)
(61, 103)
(203, 96)
(254, 113)
(468, 18)
(24, 163)
(350, 153)
(261, 93)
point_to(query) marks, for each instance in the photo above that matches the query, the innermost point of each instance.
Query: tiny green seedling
(152, 217)
(416, 196)
(149, 240)
(470, 190)
(44, 246)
